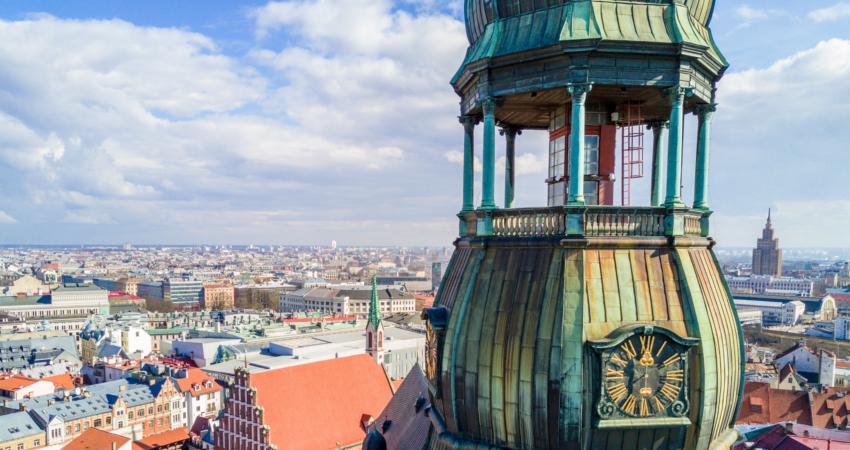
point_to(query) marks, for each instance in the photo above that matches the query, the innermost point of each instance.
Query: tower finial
(768, 215)
(374, 310)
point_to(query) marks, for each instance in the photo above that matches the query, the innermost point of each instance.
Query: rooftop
(96, 439)
(320, 405)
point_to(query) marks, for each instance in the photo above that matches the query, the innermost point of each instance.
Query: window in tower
(558, 188)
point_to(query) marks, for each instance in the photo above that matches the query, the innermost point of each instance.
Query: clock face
(431, 353)
(644, 376)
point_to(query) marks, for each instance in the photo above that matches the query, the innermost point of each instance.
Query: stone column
(578, 91)
(657, 157)
(510, 134)
(468, 161)
(674, 147)
(704, 113)
(488, 177)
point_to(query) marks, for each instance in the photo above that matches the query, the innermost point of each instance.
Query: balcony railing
(528, 222)
(589, 221)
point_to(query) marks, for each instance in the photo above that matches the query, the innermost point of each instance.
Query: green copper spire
(374, 317)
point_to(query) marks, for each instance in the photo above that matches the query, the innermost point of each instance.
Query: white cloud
(456, 157)
(832, 13)
(151, 129)
(5, 218)
(778, 134)
(86, 218)
(749, 15)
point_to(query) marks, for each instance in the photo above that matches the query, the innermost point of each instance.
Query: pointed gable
(320, 405)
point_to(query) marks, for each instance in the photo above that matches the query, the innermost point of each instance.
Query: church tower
(587, 322)
(374, 327)
(767, 256)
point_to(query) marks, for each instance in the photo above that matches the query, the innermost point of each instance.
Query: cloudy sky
(304, 121)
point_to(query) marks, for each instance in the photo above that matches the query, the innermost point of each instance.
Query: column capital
(468, 121)
(488, 105)
(509, 130)
(658, 124)
(579, 90)
(678, 93)
(705, 109)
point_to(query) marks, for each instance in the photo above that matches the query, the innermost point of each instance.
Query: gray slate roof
(17, 425)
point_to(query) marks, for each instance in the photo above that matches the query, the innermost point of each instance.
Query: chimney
(23, 407)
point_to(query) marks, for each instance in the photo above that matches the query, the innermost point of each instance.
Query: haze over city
(287, 123)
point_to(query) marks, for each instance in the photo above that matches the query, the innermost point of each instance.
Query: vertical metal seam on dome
(707, 352)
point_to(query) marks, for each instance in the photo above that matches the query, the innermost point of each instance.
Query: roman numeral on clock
(644, 408)
(615, 374)
(670, 390)
(646, 343)
(618, 361)
(629, 405)
(629, 348)
(672, 360)
(658, 405)
(617, 391)
(675, 375)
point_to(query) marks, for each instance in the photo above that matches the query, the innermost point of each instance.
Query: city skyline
(268, 122)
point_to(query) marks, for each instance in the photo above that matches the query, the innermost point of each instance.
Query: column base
(674, 221)
(574, 225)
(484, 226)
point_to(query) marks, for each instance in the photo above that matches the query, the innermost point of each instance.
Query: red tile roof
(320, 405)
(763, 404)
(163, 439)
(14, 382)
(96, 439)
(62, 381)
(197, 382)
(340, 318)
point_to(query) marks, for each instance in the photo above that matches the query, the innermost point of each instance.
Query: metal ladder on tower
(631, 141)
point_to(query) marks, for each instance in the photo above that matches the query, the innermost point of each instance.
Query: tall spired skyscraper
(580, 324)
(767, 256)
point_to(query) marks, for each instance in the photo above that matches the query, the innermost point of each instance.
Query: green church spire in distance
(374, 310)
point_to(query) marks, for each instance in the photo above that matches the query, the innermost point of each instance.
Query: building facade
(204, 397)
(767, 256)
(217, 296)
(186, 294)
(774, 313)
(768, 284)
(346, 301)
(67, 302)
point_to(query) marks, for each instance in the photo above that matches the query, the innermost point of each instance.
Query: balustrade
(597, 222)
